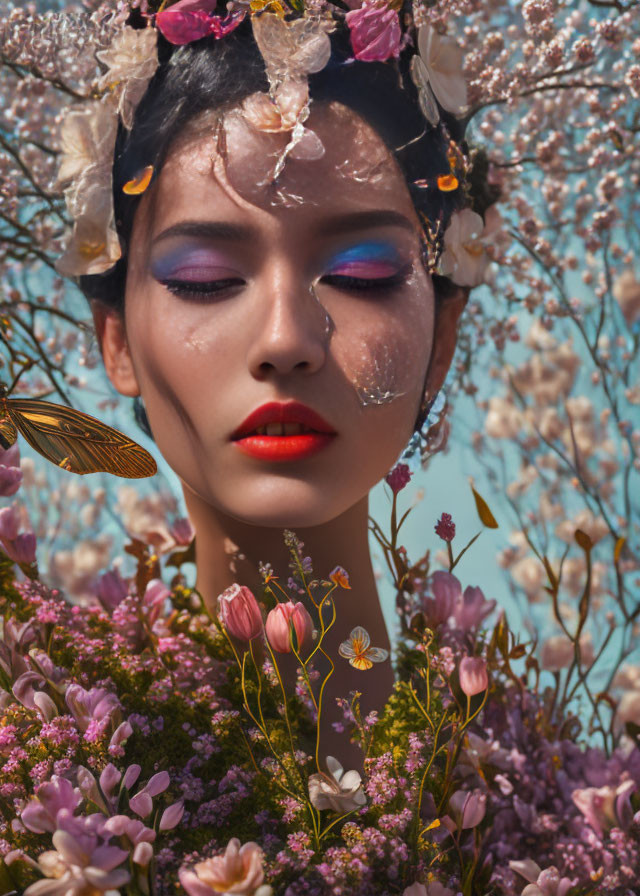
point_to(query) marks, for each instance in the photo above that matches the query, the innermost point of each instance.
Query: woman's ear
(449, 304)
(112, 339)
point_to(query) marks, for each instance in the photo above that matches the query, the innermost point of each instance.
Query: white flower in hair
(87, 138)
(465, 259)
(131, 60)
(437, 72)
(94, 246)
(292, 50)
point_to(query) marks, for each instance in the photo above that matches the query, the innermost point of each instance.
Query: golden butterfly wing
(78, 442)
(361, 662)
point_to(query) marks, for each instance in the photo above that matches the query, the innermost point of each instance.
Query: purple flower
(21, 548)
(111, 589)
(142, 802)
(10, 472)
(9, 523)
(467, 808)
(606, 807)
(172, 816)
(446, 590)
(40, 814)
(375, 32)
(445, 527)
(401, 474)
(80, 854)
(182, 531)
(472, 609)
(97, 705)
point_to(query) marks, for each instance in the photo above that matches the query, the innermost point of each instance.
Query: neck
(229, 551)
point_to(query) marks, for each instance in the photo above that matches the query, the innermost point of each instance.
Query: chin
(286, 512)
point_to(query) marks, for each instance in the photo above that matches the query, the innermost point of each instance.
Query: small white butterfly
(356, 649)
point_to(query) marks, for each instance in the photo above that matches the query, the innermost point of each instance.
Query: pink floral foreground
(146, 749)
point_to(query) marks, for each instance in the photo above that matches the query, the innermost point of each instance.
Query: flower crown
(293, 39)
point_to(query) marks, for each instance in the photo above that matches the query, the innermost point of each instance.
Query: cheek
(386, 356)
(173, 351)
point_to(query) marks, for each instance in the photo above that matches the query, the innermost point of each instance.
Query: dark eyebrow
(214, 230)
(363, 220)
(336, 226)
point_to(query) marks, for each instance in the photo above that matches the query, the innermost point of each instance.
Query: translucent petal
(291, 49)
(360, 639)
(377, 654)
(426, 98)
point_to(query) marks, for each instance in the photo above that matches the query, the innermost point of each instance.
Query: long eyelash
(357, 283)
(195, 288)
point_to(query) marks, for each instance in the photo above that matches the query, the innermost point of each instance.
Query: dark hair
(211, 74)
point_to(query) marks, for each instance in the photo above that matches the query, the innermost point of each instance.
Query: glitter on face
(382, 368)
(376, 384)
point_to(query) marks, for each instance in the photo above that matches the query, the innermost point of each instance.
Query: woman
(273, 306)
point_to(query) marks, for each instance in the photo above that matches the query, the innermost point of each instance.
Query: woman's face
(236, 296)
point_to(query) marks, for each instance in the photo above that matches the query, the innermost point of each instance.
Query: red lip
(284, 447)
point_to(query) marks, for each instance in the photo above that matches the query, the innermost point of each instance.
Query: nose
(291, 328)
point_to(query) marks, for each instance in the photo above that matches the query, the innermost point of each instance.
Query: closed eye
(194, 289)
(358, 284)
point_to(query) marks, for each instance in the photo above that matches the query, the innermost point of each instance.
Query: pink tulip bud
(131, 776)
(172, 816)
(111, 589)
(182, 531)
(467, 808)
(9, 523)
(239, 612)
(142, 854)
(22, 549)
(473, 675)
(279, 620)
(10, 480)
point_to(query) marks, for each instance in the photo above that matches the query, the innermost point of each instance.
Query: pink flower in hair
(375, 32)
(191, 20)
